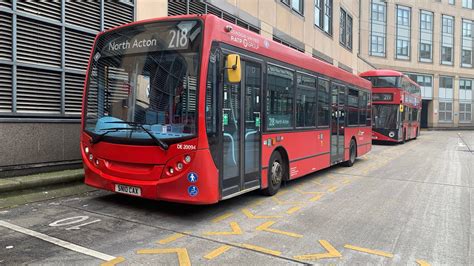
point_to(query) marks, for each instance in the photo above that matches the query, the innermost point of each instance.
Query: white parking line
(57, 242)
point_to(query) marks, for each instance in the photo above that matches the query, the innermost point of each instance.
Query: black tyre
(352, 154)
(276, 174)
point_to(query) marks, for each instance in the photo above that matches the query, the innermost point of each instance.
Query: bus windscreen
(143, 80)
(385, 116)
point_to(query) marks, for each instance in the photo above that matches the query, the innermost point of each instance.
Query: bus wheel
(276, 173)
(352, 154)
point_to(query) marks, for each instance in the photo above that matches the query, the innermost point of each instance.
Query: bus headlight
(86, 150)
(179, 166)
(187, 159)
(91, 157)
(391, 134)
(171, 170)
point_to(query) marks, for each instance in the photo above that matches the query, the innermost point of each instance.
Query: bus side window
(323, 103)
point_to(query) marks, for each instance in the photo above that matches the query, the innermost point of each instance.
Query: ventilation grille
(38, 91)
(6, 3)
(73, 98)
(48, 9)
(39, 43)
(176, 8)
(84, 13)
(5, 36)
(197, 8)
(5, 89)
(116, 14)
(78, 48)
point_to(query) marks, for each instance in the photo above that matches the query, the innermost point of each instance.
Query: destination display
(151, 38)
(382, 97)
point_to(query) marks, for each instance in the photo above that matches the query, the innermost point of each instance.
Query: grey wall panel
(33, 143)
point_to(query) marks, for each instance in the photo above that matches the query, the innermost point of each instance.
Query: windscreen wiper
(98, 138)
(157, 141)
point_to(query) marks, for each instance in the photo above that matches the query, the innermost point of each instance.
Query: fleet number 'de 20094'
(185, 147)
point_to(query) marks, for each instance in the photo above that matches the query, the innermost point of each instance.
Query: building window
(467, 43)
(446, 88)
(378, 28)
(296, 5)
(426, 84)
(345, 30)
(467, 4)
(323, 15)
(452, 2)
(465, 100)
(403, 32)
(289, 44)
(445, 111)
(465, 112)
(447, 40)
(426, 36)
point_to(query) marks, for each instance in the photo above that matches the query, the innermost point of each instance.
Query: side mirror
(401, 108)
(233, 68)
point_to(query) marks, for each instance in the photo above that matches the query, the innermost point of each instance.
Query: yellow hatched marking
(331, 252)
(316, 198)
(422, 263)
(333, 188)
(370, 251)
(235, 231)
(281, 202)
(264, 250)
(216, 252)
(317, 182)
(293, 209)
(222, 217)
(346, 181)
(183, 257)
(266, 227)
(250, 215)
(171, 238)
(113, 262)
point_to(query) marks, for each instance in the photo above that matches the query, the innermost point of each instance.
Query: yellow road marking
(183, 257)
(250, 215)
(113, 262)
(370, 251)
(235, 230)
(317, 182)
(222, 217)
(333, 188)
(266, 227)
(281, 202)
(216, 252)
(293, 209)
(264, 250)
(330, 253)
(171, 238)
(316, 198)
(346, 181)
(422, 263)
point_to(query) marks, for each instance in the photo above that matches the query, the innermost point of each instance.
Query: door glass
(342, 121)
(334, 122)
(252, 121)
(231, 134)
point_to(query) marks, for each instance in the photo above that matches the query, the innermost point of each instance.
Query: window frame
(408, 11)
(379, 9)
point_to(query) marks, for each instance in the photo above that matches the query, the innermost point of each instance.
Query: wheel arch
(285, 157)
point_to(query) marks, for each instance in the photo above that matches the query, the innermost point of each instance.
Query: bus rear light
(96, 162)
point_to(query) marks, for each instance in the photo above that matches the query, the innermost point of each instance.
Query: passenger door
(338, 122)
(241, 131)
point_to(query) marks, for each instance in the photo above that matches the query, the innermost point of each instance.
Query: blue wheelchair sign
(193, 191)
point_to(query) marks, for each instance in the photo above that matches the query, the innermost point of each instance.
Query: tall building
(44, 49)
(429, 40)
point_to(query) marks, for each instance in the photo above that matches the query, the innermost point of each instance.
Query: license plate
(136, 191)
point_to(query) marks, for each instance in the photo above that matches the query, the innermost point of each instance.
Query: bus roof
(387, 73)
(265, 46)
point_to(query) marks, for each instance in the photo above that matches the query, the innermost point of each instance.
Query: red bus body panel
(146, 166)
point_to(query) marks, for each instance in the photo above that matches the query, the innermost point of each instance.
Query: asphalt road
(400, 204)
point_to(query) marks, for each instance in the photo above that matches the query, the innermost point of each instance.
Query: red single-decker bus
(194, 109)
(396, 106)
